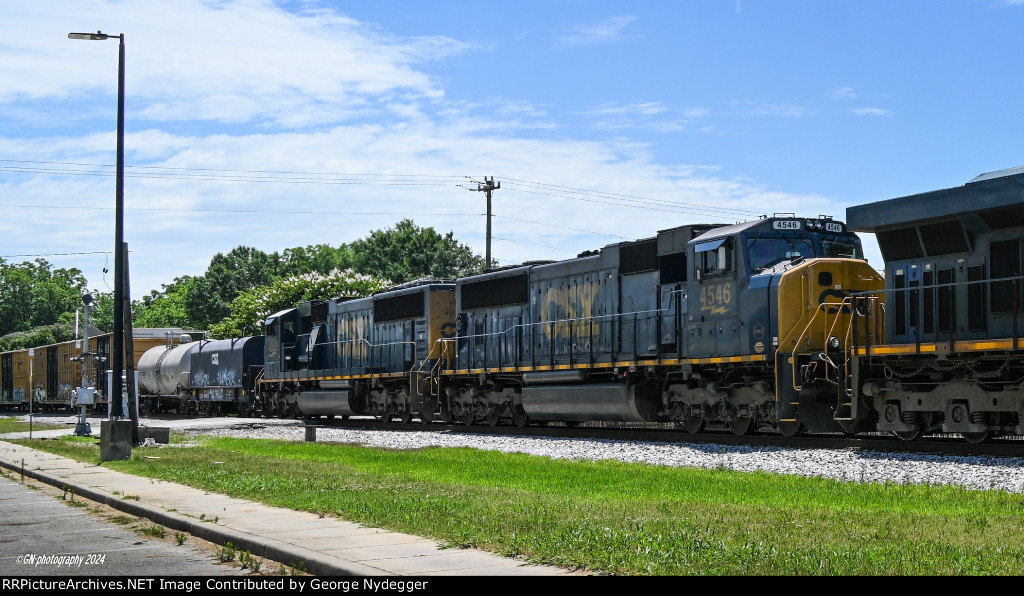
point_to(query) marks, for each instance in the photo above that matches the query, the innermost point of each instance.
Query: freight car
(51, 373)
(206, 377)
(951, 358)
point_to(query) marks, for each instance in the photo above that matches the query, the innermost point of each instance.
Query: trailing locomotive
(378, 355)
(951, 360)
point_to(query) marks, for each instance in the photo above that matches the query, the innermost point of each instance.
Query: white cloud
(647, 108)
(607, 30)
(231, 61)
(841, 93)
(868, 111)
(776, 110)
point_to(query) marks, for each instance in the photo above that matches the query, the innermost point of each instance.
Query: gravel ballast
(972, 472)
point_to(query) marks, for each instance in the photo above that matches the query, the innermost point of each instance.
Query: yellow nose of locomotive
(816, 301)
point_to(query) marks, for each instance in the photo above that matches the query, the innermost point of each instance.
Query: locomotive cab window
(714, 257)
(841, 248)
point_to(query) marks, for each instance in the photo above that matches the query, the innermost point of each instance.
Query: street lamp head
(98, 36)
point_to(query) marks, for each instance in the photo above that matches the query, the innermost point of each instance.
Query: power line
(57, 254)
(334, 178)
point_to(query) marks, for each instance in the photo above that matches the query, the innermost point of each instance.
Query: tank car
(164, 375)
(722, 324)
(951, 359)
(365, 356)
(223, 375)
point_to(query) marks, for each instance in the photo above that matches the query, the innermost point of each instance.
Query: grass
(611, 517)
(14, 425)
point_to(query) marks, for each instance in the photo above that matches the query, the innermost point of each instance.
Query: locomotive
(951, 360)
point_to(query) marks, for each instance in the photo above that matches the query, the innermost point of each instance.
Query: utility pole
(488, 186)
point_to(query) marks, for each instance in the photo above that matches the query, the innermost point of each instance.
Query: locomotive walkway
(324, 546)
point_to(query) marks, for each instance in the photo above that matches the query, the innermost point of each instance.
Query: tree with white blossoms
(251, 307)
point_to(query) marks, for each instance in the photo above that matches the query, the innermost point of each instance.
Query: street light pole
(117, 358)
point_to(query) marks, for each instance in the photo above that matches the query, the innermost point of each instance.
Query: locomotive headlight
(833, 343)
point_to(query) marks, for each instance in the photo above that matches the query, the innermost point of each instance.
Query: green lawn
(13, 425)
(609, 517)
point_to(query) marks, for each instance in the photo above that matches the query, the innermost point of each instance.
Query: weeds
(247, 561)
(227, 553)
(154, 530)
(180, 538)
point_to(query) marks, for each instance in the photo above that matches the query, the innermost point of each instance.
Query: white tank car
(164, 376)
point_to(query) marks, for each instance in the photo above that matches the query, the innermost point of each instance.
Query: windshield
(765, 252)
(845, 248)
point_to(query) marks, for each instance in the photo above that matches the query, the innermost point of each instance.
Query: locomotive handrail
(339, 348)
(555, 324)
(919, 317)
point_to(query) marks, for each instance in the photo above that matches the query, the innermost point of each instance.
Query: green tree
(34, 295)
(407, 252)
(250, 308)
(208, 299)
(38, 336)
(166, 308)
(320, 258)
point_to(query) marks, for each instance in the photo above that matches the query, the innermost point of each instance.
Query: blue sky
(290, 123)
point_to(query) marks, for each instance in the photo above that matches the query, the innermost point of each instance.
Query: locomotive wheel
(387, 416)
(405, 417)
(468, 416)
(742, 426)
(790, 428)
(520, 417)
(493, 417)
(693, 424)
(978, 437)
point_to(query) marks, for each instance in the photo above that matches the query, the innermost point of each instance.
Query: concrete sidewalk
(325, 546)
